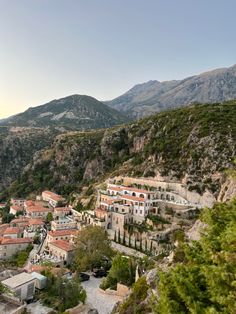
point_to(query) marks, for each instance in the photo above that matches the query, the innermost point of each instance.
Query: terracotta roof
(128, 188)
(108, 202)
(63, 232)
(115, 188)
(54, 270)
(38, 208)
(29, 203)
(16, 208)
(62, 209)
(4, 226)
(6, 240)
(63, 245)
(12, 230)
(19, 220)
(133, 198)
(53, 196)
(35, 222)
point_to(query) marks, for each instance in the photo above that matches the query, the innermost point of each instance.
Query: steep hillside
(210, 87)
(76, 112)
(17, 147)
(193, 145)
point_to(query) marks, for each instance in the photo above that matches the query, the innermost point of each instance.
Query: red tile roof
(19, 220)
(62, 209)
(16, 208)
(6, 240)
(35, 222)
(38, 209)
(133, 198)
(63, 232)
(63, 245)
(12, 230)
(128, 188)
(29, 203)
(53, 196)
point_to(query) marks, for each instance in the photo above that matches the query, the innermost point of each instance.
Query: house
(12, 232)
(34, 225)
(66, 235)
(52, 198)
(28, 203)
(22, 285)
(2, 205)
(62, 251)
(63, 223)
(10, 246)
(38, 211)
(61, 212)
(17, 202)
(14, 209)
(20, 222)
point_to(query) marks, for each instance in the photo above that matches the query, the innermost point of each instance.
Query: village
(140, 220)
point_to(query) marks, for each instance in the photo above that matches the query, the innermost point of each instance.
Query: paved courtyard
(96, 299)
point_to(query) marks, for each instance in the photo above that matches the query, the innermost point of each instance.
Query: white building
(22, 285)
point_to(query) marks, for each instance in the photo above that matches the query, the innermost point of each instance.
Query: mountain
(18, 145)
(210, 87)
(76, 112)
(193, 145)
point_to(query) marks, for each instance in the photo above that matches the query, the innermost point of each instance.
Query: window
(140, 212)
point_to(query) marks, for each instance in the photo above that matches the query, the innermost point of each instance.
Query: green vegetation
(204, 281)
(122, 271)
(92, 246)
(156, 142)
(20, 258)
(134, 303)
(49, 217)
(61, 293)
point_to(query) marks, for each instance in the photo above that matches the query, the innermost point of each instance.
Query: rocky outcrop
(228, 190)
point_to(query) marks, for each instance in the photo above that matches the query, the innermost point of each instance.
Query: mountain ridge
(75, 112)
(147, 98)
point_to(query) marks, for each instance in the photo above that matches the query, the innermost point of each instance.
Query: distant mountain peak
(71, 112)
(153, 96)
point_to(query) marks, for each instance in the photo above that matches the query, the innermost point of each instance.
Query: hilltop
(76, 112)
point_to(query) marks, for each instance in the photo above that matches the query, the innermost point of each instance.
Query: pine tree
(119, 236)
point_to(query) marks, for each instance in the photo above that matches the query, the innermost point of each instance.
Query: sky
(54, 48)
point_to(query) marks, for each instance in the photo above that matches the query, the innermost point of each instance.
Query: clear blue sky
(54, 48)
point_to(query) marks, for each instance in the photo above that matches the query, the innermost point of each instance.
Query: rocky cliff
(193, 145)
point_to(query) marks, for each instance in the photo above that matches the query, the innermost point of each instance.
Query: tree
(92, 246)
(119, 236)
(204, 281)
(49, 217)
(122, 271)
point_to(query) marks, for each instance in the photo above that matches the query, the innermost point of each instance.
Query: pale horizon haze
(52, 49)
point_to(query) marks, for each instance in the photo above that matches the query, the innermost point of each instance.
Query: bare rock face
(152, 277)
(228, 190)
(194, 233)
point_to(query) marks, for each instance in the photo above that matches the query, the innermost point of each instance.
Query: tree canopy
(205, 283)
(92, 246)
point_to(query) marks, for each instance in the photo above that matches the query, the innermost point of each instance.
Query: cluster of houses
(29, 224)
(120, 205)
